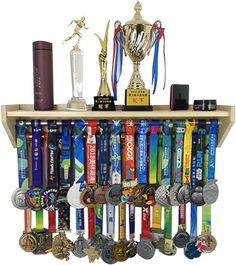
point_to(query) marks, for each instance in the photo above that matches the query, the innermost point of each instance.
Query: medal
(178, 162)
(163, 191)
(74, 192)
(196, 194)
(129, 180)
(33, 195)
(18, 196)
(92, 253)
(191, 251)
(120, 248)
(87, 195)
(210, 189)
(113, 194)
(183, 195)
(145, 248)
(62, 246)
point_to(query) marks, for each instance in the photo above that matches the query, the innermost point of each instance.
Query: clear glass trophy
(77, 102)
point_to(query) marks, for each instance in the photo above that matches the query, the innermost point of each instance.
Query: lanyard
(33, 195)
(110, 220)
(210, 189)
(141, 163)
(65, 178)
(191, 251)
(162, 192)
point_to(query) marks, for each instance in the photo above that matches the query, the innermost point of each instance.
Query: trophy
(103, 101)
(77, 102)
(136, 38)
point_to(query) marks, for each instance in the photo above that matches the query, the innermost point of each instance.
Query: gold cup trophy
(136, 38)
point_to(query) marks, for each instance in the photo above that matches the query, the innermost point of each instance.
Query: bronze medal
(100, 194)
(169, 248)
(92, 253)
(87, 197)
(28, 242)
(120, 250)
(62, 246)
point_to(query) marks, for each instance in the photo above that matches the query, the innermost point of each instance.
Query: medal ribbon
(91, 170)
(193, 216)
(153, 151)
(157, 209)
(22, 160)
(131, 221)
(115, 152)
(166, 173)
(212, 148)
(79, 169)
(36, 153)
(110, 220)
(146, 214)
(66, 176)
(122, 221)
(142, 167)
(187, 151)
(129, 159)
(103, 154)
(200, 152)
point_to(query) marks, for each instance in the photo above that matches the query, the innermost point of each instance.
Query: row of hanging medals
(149, 164)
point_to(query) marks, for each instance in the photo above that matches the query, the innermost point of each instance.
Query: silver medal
(145, 249)
(73, 195)
(107, 254)
(183, 195)
(210, 191)
(158, 238)
(162, 195)
(80, 244)
(113, 195)
(197, 197)
(173, 194)
(18, 198)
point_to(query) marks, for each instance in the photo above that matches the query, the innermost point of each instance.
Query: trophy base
(137, 100)
(103, 104)
(77, 104)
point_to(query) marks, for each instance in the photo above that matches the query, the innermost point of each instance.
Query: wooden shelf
(11, 113)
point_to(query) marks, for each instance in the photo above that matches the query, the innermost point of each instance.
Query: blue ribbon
(212, 148)
(131, 220)
(110, 220)
(166, 152)
(103, 156)
(66, 153)
(79, 168)
(155, 67)
(36, 153)
(142, 167)
(22, 158)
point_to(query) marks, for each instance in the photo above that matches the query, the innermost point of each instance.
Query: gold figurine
(80, 24)
(104, 89)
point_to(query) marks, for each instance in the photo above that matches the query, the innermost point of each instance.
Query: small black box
(179, 97)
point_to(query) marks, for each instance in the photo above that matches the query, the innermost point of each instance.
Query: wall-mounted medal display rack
(153, 160)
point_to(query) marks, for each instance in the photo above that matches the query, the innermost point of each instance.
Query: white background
(200, 51)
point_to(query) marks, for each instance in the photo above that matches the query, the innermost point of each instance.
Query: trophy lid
(137, 19)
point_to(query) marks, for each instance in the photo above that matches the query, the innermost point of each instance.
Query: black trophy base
(103, 104)
(137, 100)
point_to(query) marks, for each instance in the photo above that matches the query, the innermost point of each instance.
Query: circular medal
(28, 242)
(181, 239)
(183, 195)
(196, 196)
(120, 250)
(162, 195)
(33, 198)
(87, 197)
(210, 191)
(173, 194)
(18, 198)
(73, 195)
(132, 249)
(169, 248)
(211, 243)
(80, 244)
(158, 238)
(113, 195)
(145, 249)
(107, 255)
(100, 194)
(48, 200)
(191, 251)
